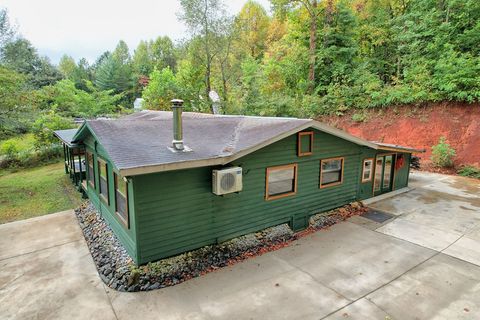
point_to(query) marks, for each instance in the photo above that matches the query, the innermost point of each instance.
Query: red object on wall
(400, 162)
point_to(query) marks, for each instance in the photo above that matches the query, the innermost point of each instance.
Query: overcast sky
(89, 27)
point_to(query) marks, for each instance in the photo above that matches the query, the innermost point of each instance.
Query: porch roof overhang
(397, 148)
(66, 136)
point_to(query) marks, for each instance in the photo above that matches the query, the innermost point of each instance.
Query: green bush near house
(443, 154)
(469, 171)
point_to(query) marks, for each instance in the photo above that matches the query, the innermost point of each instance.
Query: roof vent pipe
(177, 107)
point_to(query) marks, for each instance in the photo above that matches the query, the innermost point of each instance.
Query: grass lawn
(26, 193)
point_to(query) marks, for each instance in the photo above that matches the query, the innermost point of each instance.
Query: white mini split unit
(227, 180)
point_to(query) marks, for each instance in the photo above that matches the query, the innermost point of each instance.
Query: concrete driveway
(424, 263)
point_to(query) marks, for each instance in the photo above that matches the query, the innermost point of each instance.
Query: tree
(205, 20)
(21, 56)
(311, 6)
(153, 54)
(251, 28)
(142, 62)
(114, 71)
(68, 101)
(67, 67)
(7, 30)
(14, 99)
(161, 89)
(163, 53)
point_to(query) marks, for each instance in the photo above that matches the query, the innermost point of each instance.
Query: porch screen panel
(90, 173)
(121, 196)
(102, 173)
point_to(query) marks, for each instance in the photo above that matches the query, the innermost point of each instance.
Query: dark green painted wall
(401, 175)
(126, 235)
(176, 211)
(365, 189)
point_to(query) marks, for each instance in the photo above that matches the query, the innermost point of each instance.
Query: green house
(223, 176)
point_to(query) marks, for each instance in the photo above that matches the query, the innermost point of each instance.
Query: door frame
(392, 178)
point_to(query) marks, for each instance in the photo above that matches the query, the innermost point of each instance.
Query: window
(121, 199)
(103, 175)
(378, 175)
(331, 172)
(387, 171)
(90, 173)
(281, 181)
(305, 143)
(367, 170)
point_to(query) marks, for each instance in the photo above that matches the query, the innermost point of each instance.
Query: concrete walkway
(422, 264)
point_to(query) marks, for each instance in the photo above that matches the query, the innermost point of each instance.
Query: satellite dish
(213, 95)
(215, 101)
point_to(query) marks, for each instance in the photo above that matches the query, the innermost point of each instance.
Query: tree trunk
(225, 89)
(313, 46)
(208, 85)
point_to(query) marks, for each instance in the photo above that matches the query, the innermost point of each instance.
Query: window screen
(331, 172)
(91, 172)
(367, 170)
(121, 196)
(102, 173)
(305, 143)
(281, 181)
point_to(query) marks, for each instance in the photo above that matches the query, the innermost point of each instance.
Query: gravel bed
(117, 269)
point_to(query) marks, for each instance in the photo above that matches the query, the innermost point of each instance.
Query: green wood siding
(401, 175)
(126, 236)
(176, 211)
(365, 189)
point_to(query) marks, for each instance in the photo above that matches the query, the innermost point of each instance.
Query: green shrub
(469, 171)
(33, 157)
(9, 149)
(443, 154)
(359, 117)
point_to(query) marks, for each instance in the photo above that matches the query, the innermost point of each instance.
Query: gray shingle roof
(139, 143)
(397, 147)
(66, 136)
(142, 139)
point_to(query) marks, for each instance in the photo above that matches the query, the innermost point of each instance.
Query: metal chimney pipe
(177, 107)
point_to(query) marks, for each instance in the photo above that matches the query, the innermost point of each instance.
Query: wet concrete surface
(441, 213)
(422, 264)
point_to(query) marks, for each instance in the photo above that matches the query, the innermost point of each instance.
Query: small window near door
(103, 179)
(91, 172)
(121, 199)
(378, 175)
(367, 171)
(387, 171)
(305, 143)
(281, 181)
(331, 172)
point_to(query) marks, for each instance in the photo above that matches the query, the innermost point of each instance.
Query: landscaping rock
(117, 269)
(277, 234)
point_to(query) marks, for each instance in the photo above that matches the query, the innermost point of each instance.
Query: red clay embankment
(421, 127)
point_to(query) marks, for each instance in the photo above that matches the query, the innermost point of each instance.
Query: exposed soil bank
(421, 127)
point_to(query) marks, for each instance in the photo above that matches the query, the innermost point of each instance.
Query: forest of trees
(305, 58)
